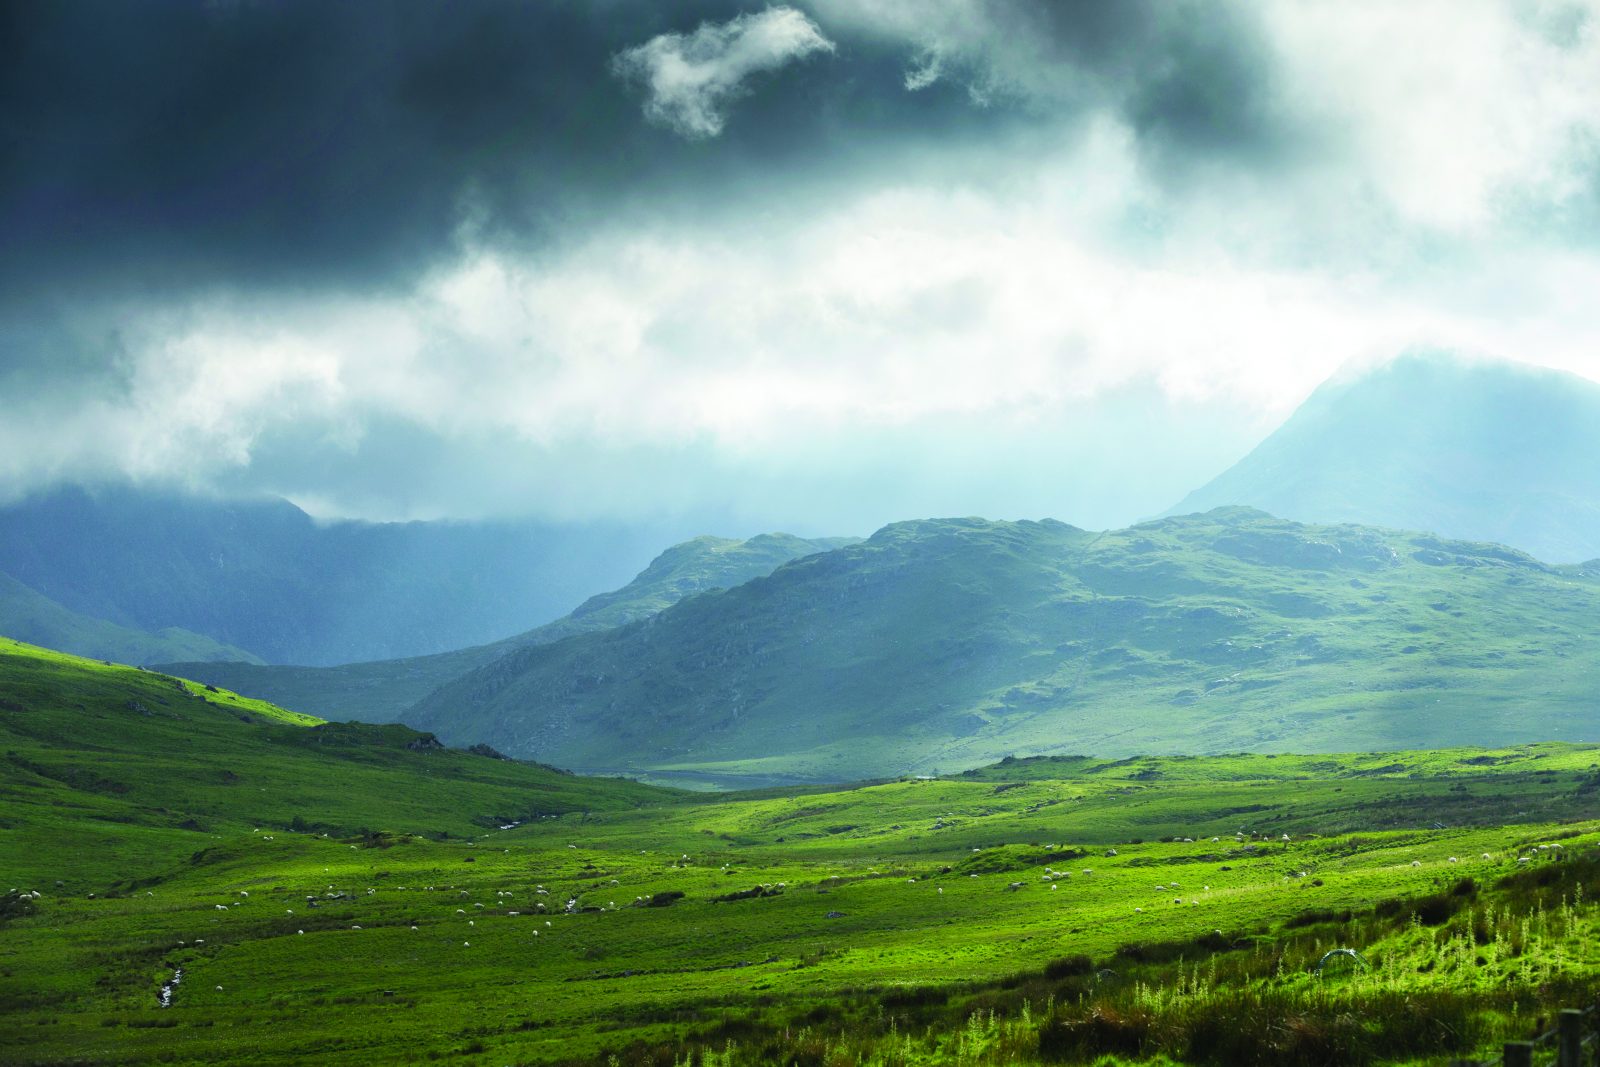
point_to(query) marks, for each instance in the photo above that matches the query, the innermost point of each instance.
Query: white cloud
(690, 78)
(883, 342)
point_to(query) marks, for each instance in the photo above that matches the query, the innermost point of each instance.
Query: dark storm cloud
(172, 144)
(1195, 81)
(165, 145)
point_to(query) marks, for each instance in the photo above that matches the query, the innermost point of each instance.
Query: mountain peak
(1472, 449)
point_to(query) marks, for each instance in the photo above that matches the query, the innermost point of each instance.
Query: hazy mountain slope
(379, 691)
(261, 575)
(27, 616)
(1485, 451)
(947, 643)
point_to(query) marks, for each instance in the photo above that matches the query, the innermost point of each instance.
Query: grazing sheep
(1487, 856)
(1014, 886)
(302, 931)
(1454, 860)
(1138, 911)
(1416, 863)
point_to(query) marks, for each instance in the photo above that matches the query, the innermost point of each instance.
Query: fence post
(1569, 1038)
(1518, 1054)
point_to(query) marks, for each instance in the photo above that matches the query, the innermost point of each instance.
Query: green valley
(295, 891)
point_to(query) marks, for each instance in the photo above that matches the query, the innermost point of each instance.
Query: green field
(345, 894)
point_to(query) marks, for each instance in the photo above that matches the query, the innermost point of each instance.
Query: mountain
(1484, 451)
(27, 616)
(379, 691)
(262, 575)
(948, 643)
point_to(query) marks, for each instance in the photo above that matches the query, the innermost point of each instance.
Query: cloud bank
(990, 257)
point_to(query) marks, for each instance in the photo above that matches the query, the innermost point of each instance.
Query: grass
(885, 929)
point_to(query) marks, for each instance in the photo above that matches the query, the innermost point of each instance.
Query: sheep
(1487, 856)
(222, 907)
(1014, 886)
(1454, 860)
(1416, 863)
(1111, 852)
(939, 890)
(355, 927)
(302, 931)
(1138, 911)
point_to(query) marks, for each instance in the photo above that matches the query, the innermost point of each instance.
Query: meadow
(335, 893)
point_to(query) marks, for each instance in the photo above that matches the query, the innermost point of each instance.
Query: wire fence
(1572, 1042)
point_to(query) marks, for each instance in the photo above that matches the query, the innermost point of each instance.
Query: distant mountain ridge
(379, 691)
(1484, 451)
(264, 577)
(27, 616)
(949, 643)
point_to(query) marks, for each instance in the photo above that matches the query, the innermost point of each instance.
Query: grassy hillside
(1485, 451)
(1039, 910)
(28, 616)
(946, 644)
(105, 761)
(380, 691)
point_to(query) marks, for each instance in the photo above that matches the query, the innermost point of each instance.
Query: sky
(814, 266)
